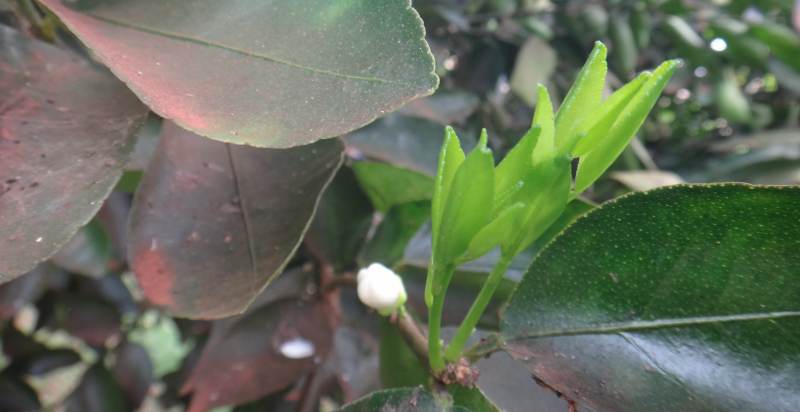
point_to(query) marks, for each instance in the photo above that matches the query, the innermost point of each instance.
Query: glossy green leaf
(388, 185)
(598, 124)
(584, 95)
(571, 213)
(465, 210)
(67, 131)
(682, 298)
(289, 74)
(472, 399)
(208, 210)
(592, 165)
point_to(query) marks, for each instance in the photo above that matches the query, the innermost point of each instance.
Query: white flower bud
(381, 289)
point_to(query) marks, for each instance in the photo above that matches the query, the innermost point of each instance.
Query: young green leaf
(584, 95)
(595, 163)
(545, 146)
(467, 207)
(513, 168)
(547, 192)
(450, 158)
(599, 123)
(493, 234)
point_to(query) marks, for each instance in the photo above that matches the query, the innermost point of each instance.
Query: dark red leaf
(213, 223)
(66, 131)
(133, 370)
(263, 352)
(97, 392)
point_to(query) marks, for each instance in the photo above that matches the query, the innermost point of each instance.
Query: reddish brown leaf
(66, 131)
(213, 223)
(263, 352)
(133, 370)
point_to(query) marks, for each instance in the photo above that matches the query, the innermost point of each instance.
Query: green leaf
(513, 168)
(393, 234)
(472, 399)
(598, 124)
(534, 64)
(782, 41)
(584, 95)
(571, 213)
(62, 149)
(404, 141)
(207, 210)
(388, 185)
(495, 232)
(546, 145)
(592, 165)
(276, 74)
(450, 158)
(634, 304)
(547, 193)
(466, 208)
(403, 400)
(341, 222)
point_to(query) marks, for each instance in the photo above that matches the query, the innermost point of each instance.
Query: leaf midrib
(202, 42)
(650, 324)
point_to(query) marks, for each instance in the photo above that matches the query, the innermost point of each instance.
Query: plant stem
(435, 319)
(434, 335)
(464, 331)
(411, 334)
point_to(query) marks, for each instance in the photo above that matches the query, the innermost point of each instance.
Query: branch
(412, 334)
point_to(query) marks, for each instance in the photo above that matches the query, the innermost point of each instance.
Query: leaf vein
(245, 219)
(651, 324)
(202, 42)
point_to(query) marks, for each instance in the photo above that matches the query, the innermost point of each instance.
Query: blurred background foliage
(78, 336)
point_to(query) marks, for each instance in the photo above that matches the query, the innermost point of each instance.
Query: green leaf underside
(67, 131)
(636, 301)
(345, 65)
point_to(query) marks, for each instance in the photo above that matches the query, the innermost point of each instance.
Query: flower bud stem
(453, 351)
